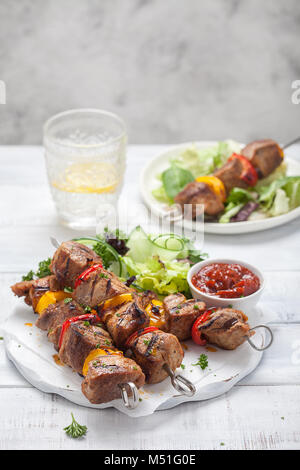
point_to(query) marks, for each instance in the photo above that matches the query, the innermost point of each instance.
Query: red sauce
(226, 280)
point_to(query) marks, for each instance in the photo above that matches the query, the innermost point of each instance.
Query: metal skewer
(54, 242)
(189, 389)
(130, 400)
(263, 348)
(289, 144)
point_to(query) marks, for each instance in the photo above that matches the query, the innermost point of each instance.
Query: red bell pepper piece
(84, 276)
(249, 173)
(67, 323)
(139, 333)
(196, 333)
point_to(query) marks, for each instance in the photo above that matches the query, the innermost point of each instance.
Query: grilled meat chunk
(230, 173)
(55, 315)
(99, 286)
(198, 194)
(124, 320)
(106, 373)
(152, 351)
(70, 260)
(265, 156)
(79, 340)
(180, 314)
(33, 290)
(226, 328)
(21, 289)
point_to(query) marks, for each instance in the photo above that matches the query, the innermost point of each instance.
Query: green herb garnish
(182, 366)
(196, 307)
(43, 271)
(28, 277)
(86, 323)
(68, 290)
(202, 361)
(75, 430)
(147, 341)
(68, 300)
(87, 309)
(44, 268)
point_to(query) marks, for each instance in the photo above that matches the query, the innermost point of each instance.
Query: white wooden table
(261, 412)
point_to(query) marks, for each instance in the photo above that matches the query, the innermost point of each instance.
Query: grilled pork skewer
(257, 160)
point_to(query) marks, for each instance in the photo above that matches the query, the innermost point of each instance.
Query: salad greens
(235, 201)
(175, 179)
(281, 196)
(157, 262)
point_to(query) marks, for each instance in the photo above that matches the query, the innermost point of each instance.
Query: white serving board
(149, 181)
(30, 351)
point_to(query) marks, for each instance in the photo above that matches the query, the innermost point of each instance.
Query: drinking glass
(85, 151)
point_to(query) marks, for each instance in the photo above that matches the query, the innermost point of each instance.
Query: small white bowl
(241, 303)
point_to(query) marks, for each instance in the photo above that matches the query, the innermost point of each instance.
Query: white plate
(31, 352)
(149, 181)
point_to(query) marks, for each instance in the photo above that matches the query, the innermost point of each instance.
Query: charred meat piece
(79, 340)
(40, 287)
(152, 351)
(70, 260)
(99, 286)
(226, 328)
(230, 174)
(21, 289)
(33, 290)
(106, 373)
(55, 315)
(199, 193)
(265, 156)
(180, 314)
(124, 320)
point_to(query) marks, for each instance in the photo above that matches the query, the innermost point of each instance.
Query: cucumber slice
(142, 247)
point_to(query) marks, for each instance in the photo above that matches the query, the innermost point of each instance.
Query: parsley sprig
(202, 361)
(75, 429)
(43, 271)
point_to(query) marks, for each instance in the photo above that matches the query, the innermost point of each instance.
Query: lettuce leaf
(175, 179)
(280, 204)
(201, 162)
(165, 278)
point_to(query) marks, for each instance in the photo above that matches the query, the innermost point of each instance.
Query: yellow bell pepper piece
(117, 300)
(215, 184)
(156, 319)
(50, 298)
(96, 353)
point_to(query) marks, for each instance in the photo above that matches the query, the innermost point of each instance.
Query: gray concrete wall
(175, 70)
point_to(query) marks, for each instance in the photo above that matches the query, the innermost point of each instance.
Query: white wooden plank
(245, 418)
(281, 363)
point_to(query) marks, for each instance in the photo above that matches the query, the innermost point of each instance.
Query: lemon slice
(97, 177)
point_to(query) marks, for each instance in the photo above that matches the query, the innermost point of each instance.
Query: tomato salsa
(226, 280)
